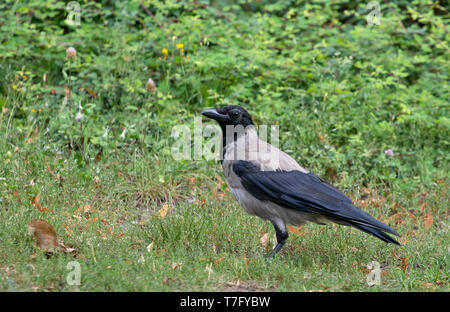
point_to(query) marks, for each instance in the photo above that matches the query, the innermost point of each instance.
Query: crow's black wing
(307, 192)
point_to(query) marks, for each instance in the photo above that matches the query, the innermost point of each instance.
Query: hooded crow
(270, 184)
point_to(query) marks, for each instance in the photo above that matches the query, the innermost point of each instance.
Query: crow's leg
(282, 236)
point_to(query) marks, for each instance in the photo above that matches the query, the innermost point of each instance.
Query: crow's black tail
(375, 232)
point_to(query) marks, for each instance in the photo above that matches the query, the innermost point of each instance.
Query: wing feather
(307, 192)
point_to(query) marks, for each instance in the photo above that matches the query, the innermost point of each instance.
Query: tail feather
(375, 232)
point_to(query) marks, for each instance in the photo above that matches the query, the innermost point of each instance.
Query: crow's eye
(234, 114)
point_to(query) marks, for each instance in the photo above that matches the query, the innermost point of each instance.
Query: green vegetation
(342, 92)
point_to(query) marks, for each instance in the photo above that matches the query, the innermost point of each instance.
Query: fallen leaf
(92, 93)
(220, 195)
(46, 238)
(295, 230)
(17, 196)
(163, 211)
(150, 247)
(263, 240)
(176, 265)
(35, 201)
(396, 218)
(404, 264)
(428, 285)
(167, 279)
(422, 207)
(44, 233)
(68, 231)
(428, 220)
(411, 215)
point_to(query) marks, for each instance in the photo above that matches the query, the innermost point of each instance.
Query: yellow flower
(33, 110)
(187, 57)
(180, 46)
(165, 51)
(14, 87)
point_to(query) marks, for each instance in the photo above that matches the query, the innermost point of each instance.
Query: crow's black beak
(213, 114)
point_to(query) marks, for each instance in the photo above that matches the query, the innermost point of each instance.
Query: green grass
(111, 239)
(341, 91)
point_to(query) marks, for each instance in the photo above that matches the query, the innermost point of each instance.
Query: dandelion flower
(180, 46)
(165, 51)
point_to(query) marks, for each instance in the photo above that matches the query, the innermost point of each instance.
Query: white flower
(122, 136)
(78, 117)
(150, 85)
(105, 135)
(71, 53)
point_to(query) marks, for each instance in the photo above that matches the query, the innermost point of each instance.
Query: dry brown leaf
(396, 218)
(263, 240)
(176, 265)
(92, 93)
(411, 215)
(163, 211)
(45, 235)
(422, 207)
(428, 285)
(167, 279)
(295, 230)
(428, 220)
(220, 195)
(35, 201)
(404, 264)
(85, 208)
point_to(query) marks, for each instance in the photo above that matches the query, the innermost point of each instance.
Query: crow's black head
(229, 115)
